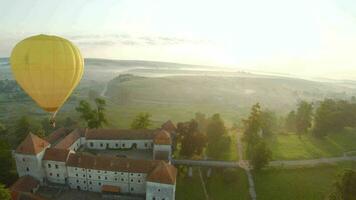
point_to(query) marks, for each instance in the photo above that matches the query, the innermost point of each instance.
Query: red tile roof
(116, 134)
(162, 137)
(55, 154)
(69, 139)
(163, 173)
(32, 144)
(110, 188)
(25, 184)
(56, 135)
(161, 155)
(169, 126)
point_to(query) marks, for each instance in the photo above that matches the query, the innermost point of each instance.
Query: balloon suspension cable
(52, 121)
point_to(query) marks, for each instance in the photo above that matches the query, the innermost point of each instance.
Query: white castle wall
(160, 191)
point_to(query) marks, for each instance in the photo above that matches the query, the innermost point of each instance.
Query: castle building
(61, 159)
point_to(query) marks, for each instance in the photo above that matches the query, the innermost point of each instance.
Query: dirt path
(204, 185)
(104, 90)
(245, 165)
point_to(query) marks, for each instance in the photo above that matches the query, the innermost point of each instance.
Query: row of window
(98, 171)
(116, 144)
(154, 198)
(50, 174)
(49, 166)
(99, 184)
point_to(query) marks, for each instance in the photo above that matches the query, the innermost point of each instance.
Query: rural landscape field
(167, 93)
(177, 100)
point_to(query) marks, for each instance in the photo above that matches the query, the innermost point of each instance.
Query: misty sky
(301, 37)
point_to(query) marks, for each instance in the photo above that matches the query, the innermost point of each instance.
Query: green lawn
(291, 147)
(189, 187)
(296, 184)
(192, 188)
(218, 189)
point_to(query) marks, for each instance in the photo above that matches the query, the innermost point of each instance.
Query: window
(56, 166)
(57, 175)
(89, 170)
(98, 171)
(89, 176)
(98, 177)
(75, 169)
(139, 175)
(122, 173)
(132, 189)
(27, 169)
(77, 181)
(50, 174)
(115, 179)
(117, 145)
(122, 179)
(49, 165)
(76, 175)
(90, 182)
(23, 159)
(159, 190)
(83, 175)
(83, 169)
(91, 144)
(139, 181)
(123, 145)
(131, 180)
(163, 198)
(145, 144)
(84, 182)
(115, 173)
(99, 183)
(106, 178)
(153, 198)
(104, 172)
(101, 145)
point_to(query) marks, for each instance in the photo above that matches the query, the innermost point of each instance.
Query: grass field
(218, 189)
(192, 188)
(291, 147)
(296, 184)
(188, 188)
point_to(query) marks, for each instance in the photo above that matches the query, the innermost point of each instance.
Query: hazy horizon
(303, 39)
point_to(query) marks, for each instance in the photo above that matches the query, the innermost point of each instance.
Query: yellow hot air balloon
(48, 68)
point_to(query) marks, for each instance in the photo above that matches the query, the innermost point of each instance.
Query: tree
(69, 122)
(218, 140)
(94, 117)
(290, 123)
(252, 127)
(141, 121)
(202, 121)
(4, 193)
(192, 140)
(260, 155)
(7, 175)
(3, 130)
(25, 125)
(344, 188)
(268, 122)
(333, 116)
(304, 117)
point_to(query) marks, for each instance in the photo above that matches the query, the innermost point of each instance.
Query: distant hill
(177, 91)
(277, 93)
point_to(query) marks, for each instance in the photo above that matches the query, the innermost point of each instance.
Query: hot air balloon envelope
(48, 68)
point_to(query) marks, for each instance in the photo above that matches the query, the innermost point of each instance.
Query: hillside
(177, 91)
